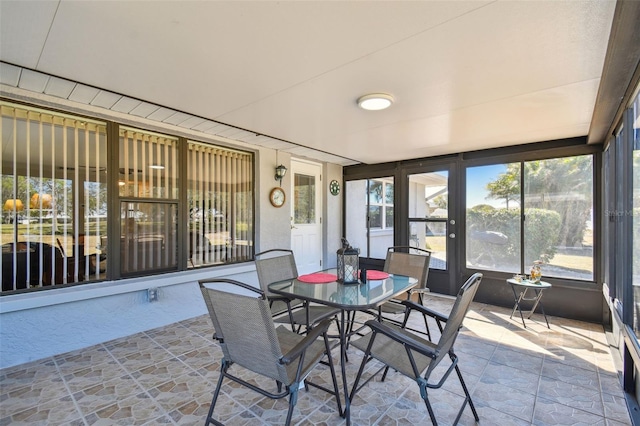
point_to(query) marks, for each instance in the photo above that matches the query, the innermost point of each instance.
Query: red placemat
(372, 274)
(318, 278)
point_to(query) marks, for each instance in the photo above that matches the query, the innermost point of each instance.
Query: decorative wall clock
(277, 197)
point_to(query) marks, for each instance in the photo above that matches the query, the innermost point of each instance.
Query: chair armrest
(302, 346)
(284, 299)
(404, 338)
(413, 305)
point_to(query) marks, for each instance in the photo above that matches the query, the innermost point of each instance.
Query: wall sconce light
(280, 172)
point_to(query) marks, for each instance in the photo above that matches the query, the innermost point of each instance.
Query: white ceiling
(466, 75)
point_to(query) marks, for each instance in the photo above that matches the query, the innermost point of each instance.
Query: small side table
(523, 287)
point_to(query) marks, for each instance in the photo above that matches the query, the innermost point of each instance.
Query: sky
(477, 180)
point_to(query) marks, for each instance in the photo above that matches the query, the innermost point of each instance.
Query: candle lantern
(348, 263)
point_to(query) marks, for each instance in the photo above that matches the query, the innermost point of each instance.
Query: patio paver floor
(517, 376)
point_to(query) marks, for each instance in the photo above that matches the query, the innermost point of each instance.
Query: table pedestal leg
(343, 367)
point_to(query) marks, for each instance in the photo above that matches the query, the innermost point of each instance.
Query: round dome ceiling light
(375, 101)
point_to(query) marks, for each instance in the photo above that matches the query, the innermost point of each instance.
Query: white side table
(520, 294)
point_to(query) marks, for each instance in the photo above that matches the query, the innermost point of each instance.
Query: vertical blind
(54, 196)
(54, 200)
(220, 197)
(148, 171)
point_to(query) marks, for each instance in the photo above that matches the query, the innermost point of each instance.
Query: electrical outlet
(152, 294)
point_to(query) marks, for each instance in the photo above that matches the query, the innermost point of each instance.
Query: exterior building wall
(39, 324)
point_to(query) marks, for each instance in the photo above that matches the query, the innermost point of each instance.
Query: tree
(507, 185)
(441, 201)
(564, 185)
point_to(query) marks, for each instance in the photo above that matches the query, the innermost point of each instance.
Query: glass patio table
(348, 298)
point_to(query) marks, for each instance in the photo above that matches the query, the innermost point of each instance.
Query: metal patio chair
(413, 262)
(278, 265)
(409, 261)
(249, 339)
(415, 357)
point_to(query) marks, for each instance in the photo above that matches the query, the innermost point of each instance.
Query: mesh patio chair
(412, 262)
(249, 339)
(279, 265)
(415, 357)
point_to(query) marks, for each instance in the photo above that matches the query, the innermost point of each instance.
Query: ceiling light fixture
(375, 101)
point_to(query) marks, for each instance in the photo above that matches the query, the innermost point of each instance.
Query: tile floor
(517, 376)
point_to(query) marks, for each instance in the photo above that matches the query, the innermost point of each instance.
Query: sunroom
(146, 147)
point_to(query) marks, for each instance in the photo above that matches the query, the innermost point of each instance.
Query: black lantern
(281, 170)
(348, 263)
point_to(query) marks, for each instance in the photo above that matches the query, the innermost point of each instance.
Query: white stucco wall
(332, 224)
(46, 323)
(40, 324)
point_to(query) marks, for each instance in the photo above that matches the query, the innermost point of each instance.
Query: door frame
(440, 281)
(301, 166)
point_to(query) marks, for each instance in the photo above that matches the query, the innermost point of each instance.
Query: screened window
(558, 212)
(220, 200)
(635, 213)
(54, 198)
(380, 197)
(55, 201)
(493, 217)
(369, 218)
(148, 188)
(555, 207)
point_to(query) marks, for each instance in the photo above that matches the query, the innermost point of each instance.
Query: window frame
(114, 200)
(383, 205)
(541, 155)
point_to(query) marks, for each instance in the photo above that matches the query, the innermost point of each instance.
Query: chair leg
(431, 413)
(426, 324)
(333, 374)
(468, 396)
(293, 400)
(384, 375)
(210, 419)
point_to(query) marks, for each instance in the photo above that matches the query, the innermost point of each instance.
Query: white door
(306, 220)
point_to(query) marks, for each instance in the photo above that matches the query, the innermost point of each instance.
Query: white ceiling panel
(23, 30)
(83, 94)
(203, 127)
(144, 109)
(161, 114)
(33, 81)
(125, 105)
(465, 75)
(176, 118)
(9, 74)
(192, 122)
(59, 87)
(105, 99)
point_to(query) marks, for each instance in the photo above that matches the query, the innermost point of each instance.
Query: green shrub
(541, 232)
(542, 229)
